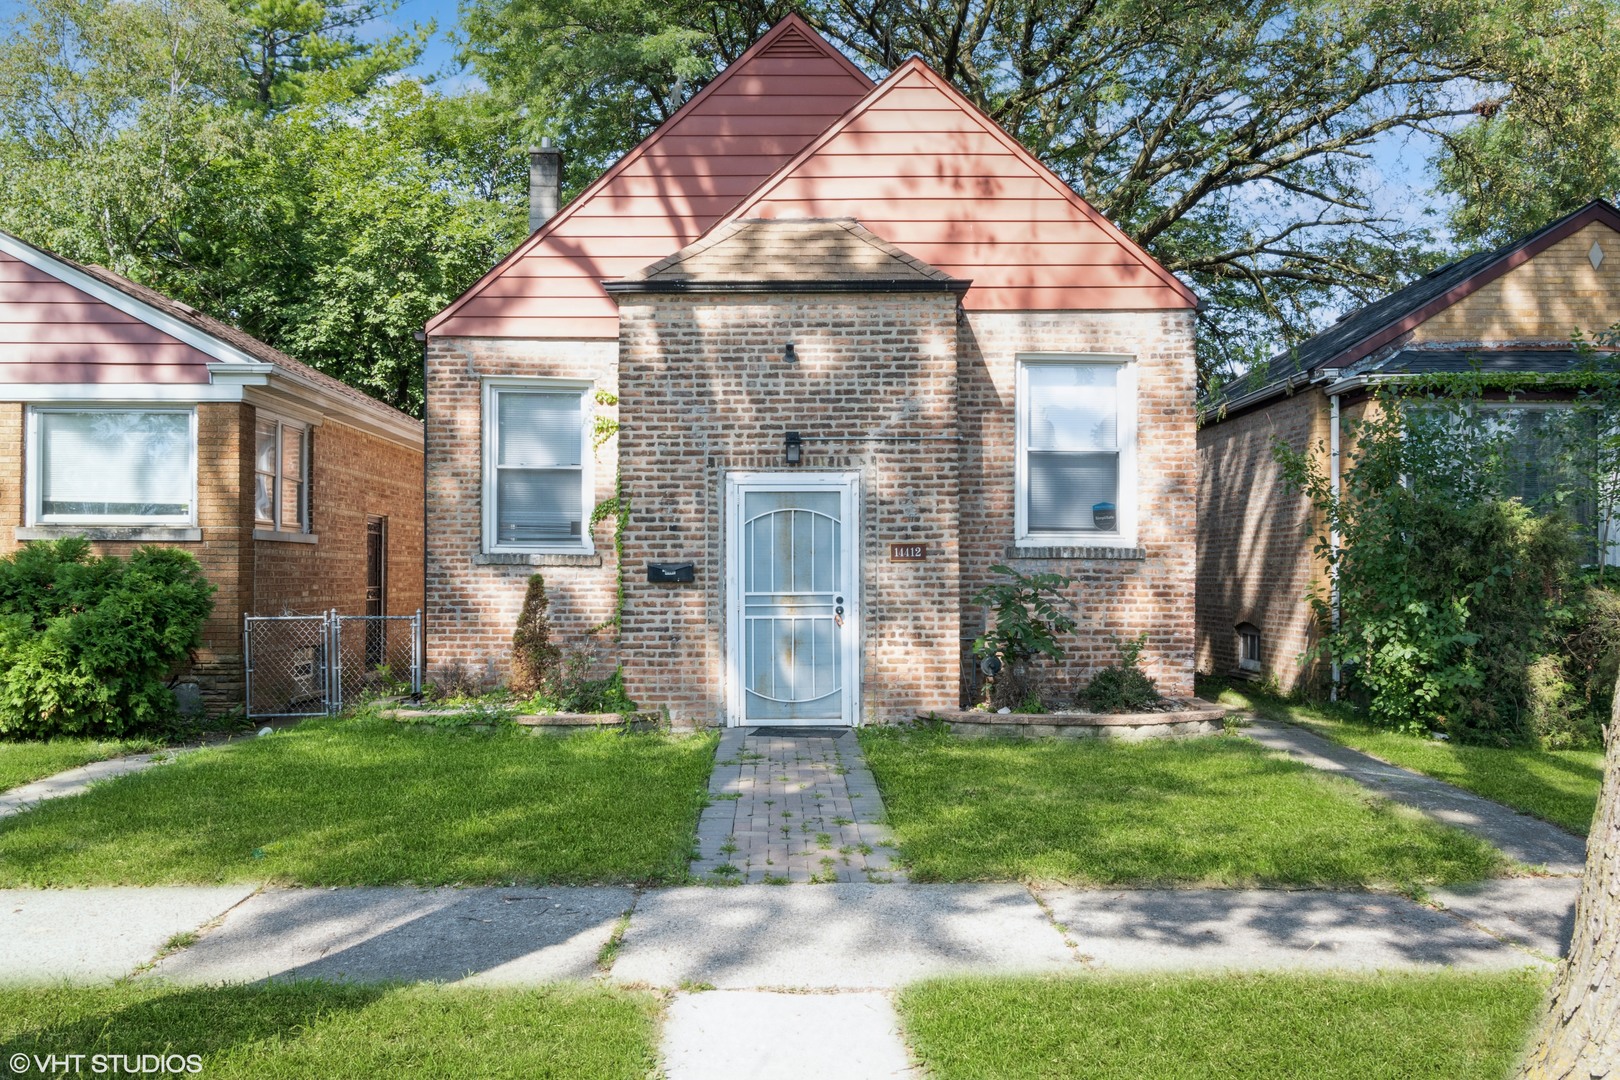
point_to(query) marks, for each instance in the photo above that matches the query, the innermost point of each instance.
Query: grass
(296, 1030)
(24, 762)
(358, 801)
(1560, 786)
(1218, 811)
(1321, 1027)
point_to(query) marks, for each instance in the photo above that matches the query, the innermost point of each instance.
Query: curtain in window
(264, 472)
(538, 439)
(1072, 452)
(292, 479)
(115, 463)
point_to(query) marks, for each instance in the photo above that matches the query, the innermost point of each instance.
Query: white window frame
(1125, 534)
(492, 389)
(301, 527)
(1246, 662)
(34, 501)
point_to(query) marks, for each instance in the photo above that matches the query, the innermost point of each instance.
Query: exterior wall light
(792, 447)
(790, 354)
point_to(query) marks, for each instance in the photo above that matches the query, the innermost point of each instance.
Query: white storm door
(793, 581)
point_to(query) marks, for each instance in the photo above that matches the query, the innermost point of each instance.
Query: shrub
(536, 661)
(87, 643)
(1559, 715)
(1026, 624)
(1123, 687)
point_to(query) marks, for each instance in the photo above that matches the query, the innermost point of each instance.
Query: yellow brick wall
(1547, 298)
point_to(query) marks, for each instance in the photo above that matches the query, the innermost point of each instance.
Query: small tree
(1027, 623)
(536, 660)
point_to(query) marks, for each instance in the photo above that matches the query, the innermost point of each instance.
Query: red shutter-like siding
(51, 332)
(756, 115)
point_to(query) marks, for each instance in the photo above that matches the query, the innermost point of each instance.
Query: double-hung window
(281, 475)
(112, 466)
(1076, 431)
(537, 458)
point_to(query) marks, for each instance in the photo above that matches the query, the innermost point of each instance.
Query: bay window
(537, 458)
(1076, 461)
(112, 466)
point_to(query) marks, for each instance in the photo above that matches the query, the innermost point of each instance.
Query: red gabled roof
(671, 189)
(922, 167)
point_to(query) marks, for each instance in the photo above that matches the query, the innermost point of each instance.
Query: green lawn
(1310, 1027)
(363, 801)
(298, 1030)
(24, 762)
(1560, 786)
(1216, 811)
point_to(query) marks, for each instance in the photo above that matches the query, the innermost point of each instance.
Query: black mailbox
(669, 573)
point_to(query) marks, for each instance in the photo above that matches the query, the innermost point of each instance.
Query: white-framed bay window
(1076, 461)
(112, 465)
(537, 465)
(280, 475)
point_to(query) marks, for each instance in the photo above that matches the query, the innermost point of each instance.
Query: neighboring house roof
(1360, 333)
(919, 164)
(764, 254)
(1456, 361)
(793, 129)
(664, 194)
(147, 338)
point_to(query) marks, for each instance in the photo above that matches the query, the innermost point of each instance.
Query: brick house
(1515, 309)
(130, 418)
(861, 347)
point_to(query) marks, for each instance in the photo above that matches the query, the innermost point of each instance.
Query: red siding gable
(51, 332)
(920, 166)
(754, 117)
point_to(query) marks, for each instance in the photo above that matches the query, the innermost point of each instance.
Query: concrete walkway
(74, 781)
(1527, 839)
(791, 806)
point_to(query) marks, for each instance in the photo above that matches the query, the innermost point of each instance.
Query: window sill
(538, 558)
(1099, 550)
(171, 534)
(285, 537)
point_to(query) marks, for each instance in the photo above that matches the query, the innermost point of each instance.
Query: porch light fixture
(792, 446)
(790, 354)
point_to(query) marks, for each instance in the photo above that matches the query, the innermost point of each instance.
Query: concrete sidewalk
(1527, 839)
(74, 781)
(823, 937)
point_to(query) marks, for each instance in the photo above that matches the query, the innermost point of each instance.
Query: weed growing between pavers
(357, 801)
(1238, 1027)
(305, 1029)
(1560, 786)
(1217, 811)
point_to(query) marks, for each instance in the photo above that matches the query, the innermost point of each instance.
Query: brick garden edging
(1198, 718)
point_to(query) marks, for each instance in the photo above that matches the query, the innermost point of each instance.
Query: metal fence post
(334, 659)
(247, 664)
(416, 654)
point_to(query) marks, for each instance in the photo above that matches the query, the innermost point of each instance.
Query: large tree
(1233, 137)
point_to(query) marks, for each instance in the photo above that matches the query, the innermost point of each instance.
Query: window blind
(115, 463)
(539, 440)
(1072, 453)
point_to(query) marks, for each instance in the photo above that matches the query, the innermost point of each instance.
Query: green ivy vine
(603, 429)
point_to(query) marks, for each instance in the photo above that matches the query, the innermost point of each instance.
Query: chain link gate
(309, 665)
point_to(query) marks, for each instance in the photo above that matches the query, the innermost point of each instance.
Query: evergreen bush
(536, 660)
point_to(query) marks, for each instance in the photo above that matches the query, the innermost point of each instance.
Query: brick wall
(1115, 598)
(224, 451)
(705, 390)
(1545, 299)
(1256, 539)
(353, 476)
(474, 599)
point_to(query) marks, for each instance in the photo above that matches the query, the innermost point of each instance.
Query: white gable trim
(198, 339)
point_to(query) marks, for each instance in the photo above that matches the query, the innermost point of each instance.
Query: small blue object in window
(1104, 517)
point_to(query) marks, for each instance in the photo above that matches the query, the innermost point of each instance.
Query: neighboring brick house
(130, 418)
(863, 347)
(1515, 309)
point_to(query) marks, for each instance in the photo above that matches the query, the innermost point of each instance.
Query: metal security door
(793, 583)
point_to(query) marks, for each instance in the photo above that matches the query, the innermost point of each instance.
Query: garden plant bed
(539, 723)
(1178, 719)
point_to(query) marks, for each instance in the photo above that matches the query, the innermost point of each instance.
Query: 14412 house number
(908, 552)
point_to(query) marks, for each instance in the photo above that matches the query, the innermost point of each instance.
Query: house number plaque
(908, 552)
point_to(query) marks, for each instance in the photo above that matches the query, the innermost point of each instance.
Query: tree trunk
(1579, 1035)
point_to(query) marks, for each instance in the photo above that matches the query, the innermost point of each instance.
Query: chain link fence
(310, 665)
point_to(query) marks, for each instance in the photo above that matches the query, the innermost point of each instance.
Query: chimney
(545, 183)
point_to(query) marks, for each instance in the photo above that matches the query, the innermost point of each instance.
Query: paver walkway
(791, 806)
(74, 781)
(1521, 837)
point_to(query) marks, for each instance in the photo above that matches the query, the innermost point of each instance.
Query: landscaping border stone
(537, 723)
(1197, 718)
